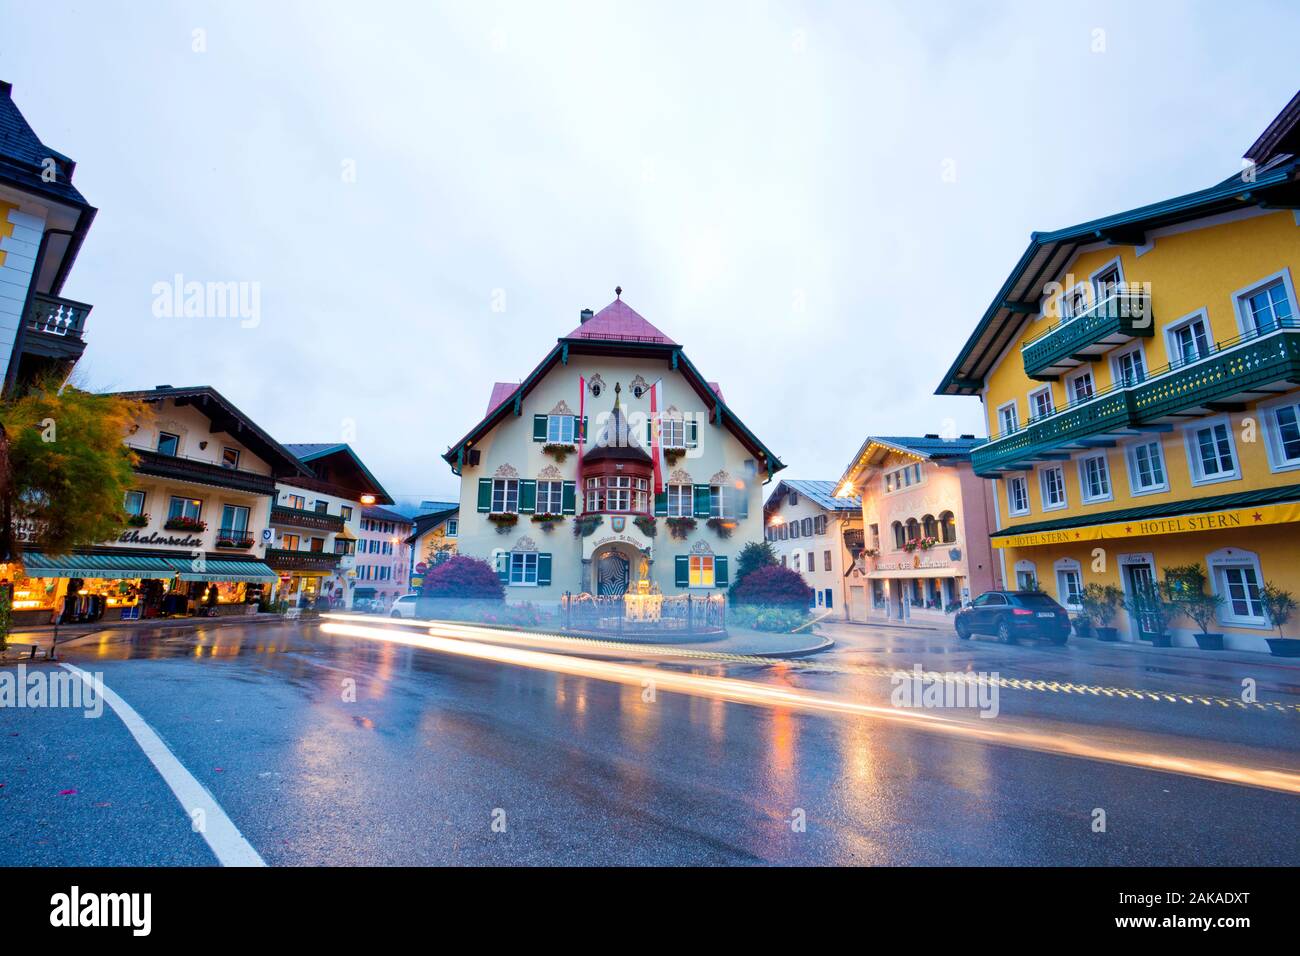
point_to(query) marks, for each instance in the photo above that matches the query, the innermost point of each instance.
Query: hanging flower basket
(910, 546)
(673, 454)
(234, 541)
(547, 521)
(584, 525)
(646, 525)
(137, 521)
(558, 450)
(927, 542)
(185, 524)
(504, 521)
(679, 528)
(723, 526)
(870, 553)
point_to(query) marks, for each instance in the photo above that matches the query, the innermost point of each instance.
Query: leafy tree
(1100, 602)
(1190, 599)
(1279, 604)
(755, 555)
(68, 467)
(773, 586)
(464, 578)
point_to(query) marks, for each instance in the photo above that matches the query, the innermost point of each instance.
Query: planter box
(1106, 633)
(1209, 642)
(1160, 640)
(1284, 646)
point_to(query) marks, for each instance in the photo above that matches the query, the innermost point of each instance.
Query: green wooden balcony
(1233, 373)
(1071, 342)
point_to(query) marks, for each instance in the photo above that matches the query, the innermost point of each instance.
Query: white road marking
(219, 831)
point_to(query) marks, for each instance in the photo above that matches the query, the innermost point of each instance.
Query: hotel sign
(1198, 523)
(154, 539)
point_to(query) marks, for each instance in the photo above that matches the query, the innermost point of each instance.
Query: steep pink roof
(717, 389)
(619, 322)
(500, 392)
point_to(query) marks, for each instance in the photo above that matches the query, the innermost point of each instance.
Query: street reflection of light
(764, 695)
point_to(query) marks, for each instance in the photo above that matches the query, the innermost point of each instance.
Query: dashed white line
(218, 830)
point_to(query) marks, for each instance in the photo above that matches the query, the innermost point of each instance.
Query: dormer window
(168, 444)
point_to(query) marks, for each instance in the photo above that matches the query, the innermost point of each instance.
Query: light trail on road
(470, 641)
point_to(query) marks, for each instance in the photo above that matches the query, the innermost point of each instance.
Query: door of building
(1139, 577)
(857, 603)
(611, 575)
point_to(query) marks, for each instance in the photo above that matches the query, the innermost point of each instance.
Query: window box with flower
(547, 520)
(584, 525)
(679, 528)
(185, 524)
(504, 520)
(559, 450)
(722, 526)
(137, 521)
(646, 525)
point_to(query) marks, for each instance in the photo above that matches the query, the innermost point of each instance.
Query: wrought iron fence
(681, 613)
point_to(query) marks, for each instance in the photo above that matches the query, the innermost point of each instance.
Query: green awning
(39, 565)
(252, 572)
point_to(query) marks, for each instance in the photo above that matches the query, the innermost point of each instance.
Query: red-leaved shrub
(465, 578)
(773, 586)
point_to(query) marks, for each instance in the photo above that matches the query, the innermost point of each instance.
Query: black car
(1010, 615)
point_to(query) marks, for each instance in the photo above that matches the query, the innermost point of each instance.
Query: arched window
(948, 527)
(900, 538)
(930, 526)
(913, 529)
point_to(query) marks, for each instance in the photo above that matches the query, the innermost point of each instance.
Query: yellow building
(1141, 379)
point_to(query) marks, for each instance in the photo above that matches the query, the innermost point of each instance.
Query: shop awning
(251, 572)
(39, 565)
(916, 573)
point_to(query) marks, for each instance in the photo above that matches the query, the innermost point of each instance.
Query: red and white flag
(579, 434)
(656, 399)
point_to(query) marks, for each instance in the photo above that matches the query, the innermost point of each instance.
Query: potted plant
(1188, 595)
(185, 524)
(927, 542)
(1100, 602)
(1149, 604)
(137, 521)
(559, 450)
(723, 526)
(504, 520)
(234, 540)
(584, 525)
(1280, 605)
(910, 546)
(679, 528)
(646, 525)
(673, 453)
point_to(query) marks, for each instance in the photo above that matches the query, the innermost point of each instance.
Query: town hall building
(614, 466)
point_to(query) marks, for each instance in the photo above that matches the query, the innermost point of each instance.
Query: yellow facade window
(701, 570)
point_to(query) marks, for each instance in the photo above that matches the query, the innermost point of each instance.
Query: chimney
(584, 315)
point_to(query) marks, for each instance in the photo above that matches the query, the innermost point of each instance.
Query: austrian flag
(656, 402)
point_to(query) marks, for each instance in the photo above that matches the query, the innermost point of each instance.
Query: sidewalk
(41, 637)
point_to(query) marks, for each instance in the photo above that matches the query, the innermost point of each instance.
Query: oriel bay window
(619, 494)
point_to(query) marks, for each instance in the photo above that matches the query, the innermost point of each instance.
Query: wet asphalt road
(583, 771)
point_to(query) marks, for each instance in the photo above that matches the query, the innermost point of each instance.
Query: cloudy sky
(818, 200)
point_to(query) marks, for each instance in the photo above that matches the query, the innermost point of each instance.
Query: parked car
(367, 605)
(404, 606)
(1011, 615)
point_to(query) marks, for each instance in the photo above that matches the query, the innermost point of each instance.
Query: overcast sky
(818, 200)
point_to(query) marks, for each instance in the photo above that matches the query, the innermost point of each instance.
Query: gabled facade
(927, 519)
(43, 222)
(197, 515)
(817, 534)
(1139, 378)
(316, 524)
(433, 538)
(570, 448)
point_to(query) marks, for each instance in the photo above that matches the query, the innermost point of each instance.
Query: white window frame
(1073, 377)
(1244, 322)
(1067, 566)
(126, 498)
(1033, 403)
(1115, 374)
(1084, 494)
(1200, 315)
(697, 574)
(555, 429)
(1219, 562)
(505, 508)
(1042, 488)
(1192, 447)
(1023, 478)
(523, 569)
(672, 432)
(1277, 461)
(1118, 265)
(552, 495)
(685, 500)
(1015, 417)
(452, 528)
(1130, 462)
(1069, 308)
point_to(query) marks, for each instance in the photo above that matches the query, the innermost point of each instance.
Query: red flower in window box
(185, 524)
(137, 521)
(680, 527)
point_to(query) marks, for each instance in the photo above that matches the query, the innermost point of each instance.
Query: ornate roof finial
(618, 292)
(617, 388)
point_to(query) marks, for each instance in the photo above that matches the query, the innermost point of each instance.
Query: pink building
(926, 524)
(382, 565)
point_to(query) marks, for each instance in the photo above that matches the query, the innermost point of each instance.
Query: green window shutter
(683, 569)
(649, 438)
(539, 428)
(721, 573)
(743, 504)
(528, 495)
(570, 495)
(661, 503)
(543, 569)
(692, 433)
(485, 494)
(702, 509)
(503, 566)
(584, 430)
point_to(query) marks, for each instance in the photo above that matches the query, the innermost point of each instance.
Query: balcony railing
(1236, 366)
(201, 472)
(302, 518)
(286, 559)
(54, 327)
(234, 538)
(1115, 319)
